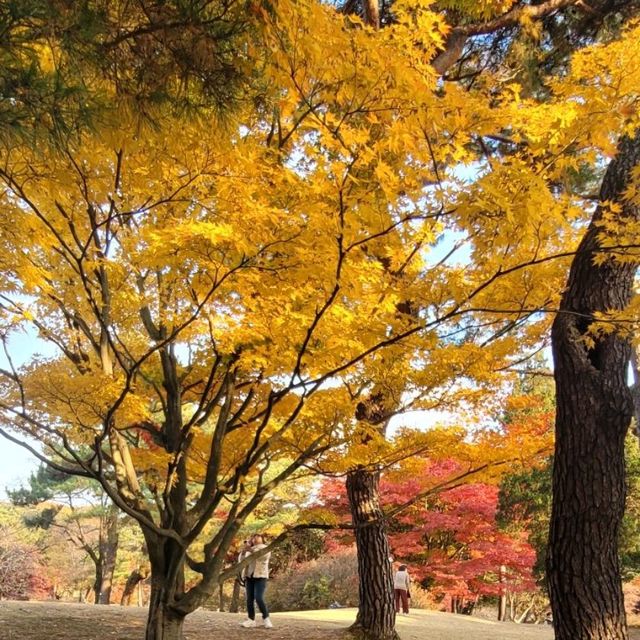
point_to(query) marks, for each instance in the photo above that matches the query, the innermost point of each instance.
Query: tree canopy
(221, 293)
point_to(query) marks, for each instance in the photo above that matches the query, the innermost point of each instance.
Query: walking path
(61, 621)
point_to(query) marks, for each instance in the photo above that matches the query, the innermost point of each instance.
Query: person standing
(401, 583)
(255, 576)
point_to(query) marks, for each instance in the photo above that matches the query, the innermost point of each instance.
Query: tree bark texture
(165, 620)
(594, 410)
(97, 581)
(162, 622)
(376, 610)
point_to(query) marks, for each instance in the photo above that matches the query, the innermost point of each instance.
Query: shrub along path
(60, 621)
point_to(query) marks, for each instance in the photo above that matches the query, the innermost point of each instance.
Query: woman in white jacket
(255, 577)
(401, 583)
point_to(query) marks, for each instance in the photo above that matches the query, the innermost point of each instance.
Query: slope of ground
(58, 621)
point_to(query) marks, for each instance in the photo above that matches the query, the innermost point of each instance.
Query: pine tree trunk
(376, 609)
(594, 409)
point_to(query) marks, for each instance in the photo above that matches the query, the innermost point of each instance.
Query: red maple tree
(450, 540)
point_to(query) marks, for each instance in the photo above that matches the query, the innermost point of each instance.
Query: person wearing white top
(255, 577)
(401, 583)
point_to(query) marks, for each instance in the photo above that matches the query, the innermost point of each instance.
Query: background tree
(22, 571)
(441, 514)
(80, 509)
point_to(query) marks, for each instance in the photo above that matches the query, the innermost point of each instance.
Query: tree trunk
(135, 577)
(376, 609)
(97, 581)
(165, 620)
(162, 622)
(502, 598)
(371, 13)
(107, 555)
(235, 597)
(594, 410)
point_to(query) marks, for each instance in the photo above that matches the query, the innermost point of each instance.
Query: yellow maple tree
(215, 291)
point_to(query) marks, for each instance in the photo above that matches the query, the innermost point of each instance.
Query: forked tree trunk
(162, 623)
(594, 410)
(376, 610)
(164, 620)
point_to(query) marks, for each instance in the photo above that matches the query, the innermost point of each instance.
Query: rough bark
(594, 409)
(376, 610)
(97, 582)
(635, 390)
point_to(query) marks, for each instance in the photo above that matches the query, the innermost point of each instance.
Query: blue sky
(16, 463)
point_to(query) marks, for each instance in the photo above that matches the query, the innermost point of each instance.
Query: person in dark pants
(401, 583)
(256, 575)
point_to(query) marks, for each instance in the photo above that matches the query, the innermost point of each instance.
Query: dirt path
(59, 621)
